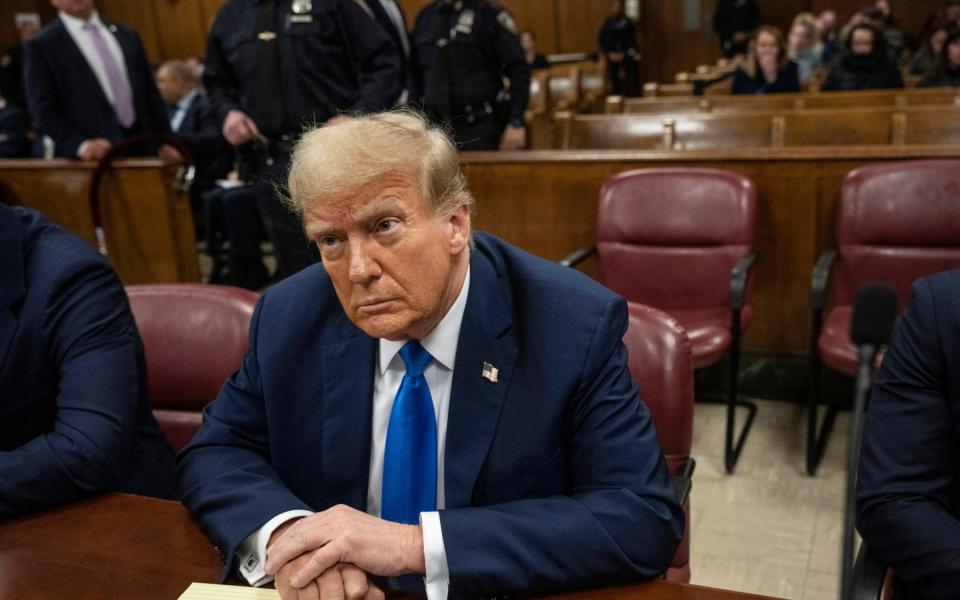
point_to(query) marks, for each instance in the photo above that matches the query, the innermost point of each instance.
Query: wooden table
(123, 546)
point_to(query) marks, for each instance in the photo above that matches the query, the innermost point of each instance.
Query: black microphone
(874, 315)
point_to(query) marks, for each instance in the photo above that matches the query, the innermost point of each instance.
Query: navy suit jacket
(65, 96)
(74, 414)
(13, 132)
(554, 475)
(200, 130)
(909, 482)
(381, 16)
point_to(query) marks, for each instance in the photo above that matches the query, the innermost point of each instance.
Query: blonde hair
(750, 67)
(331, 161)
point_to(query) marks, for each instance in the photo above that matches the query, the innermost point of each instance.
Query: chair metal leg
(731, 448)
(818, 431)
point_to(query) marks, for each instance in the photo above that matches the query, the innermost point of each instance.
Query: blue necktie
(410, 454)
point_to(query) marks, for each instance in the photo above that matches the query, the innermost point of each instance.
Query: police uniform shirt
(484, 48)
(332, 57)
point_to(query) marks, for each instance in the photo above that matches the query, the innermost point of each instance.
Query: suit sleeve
(510, 55)
(908, 465)
(224, 476)
(90, 335)
(44, 100)
(378, 81)
(621, 518)
(158, 112)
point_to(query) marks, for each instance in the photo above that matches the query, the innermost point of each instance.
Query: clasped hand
(329, 554)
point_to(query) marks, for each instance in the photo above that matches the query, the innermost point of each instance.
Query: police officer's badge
(506, 20)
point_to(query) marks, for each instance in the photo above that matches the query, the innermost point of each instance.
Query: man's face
(396, 266)
(81, 9)
(826, 21)
(861, 42)
(172, 87)
(528, 43)
(953, 53)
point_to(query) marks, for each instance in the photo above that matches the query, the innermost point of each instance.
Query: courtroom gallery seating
(896, 222)
(681, 240)
(661, 363)
(194, 337)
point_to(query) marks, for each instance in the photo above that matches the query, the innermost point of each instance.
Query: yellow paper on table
(210, 591)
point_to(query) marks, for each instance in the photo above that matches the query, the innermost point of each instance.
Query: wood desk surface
(119, 546)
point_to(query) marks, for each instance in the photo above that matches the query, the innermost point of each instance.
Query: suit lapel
(475, 401)
(12, 278)
(347, 372)
(73, 56)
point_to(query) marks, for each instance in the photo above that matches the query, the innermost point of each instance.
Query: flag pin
(490, 372)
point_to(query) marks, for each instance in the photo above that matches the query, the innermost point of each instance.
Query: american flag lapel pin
(490, 372)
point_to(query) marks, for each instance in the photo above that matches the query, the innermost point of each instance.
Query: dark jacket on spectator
(869, 72)
(788, 80)
(13, 132)
(944, 78)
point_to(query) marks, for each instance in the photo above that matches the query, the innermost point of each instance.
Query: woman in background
(945, 72)
(864, 64)
(923, 60)
(803, 45)
(767, 69)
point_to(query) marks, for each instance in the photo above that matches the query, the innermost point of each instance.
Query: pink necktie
(121, 93)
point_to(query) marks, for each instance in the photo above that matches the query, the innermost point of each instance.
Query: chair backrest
(897, 222)
(194, 337)
(661, 364)
(670, 237)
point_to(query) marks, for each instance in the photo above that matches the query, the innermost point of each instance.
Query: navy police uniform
(463, 50)
(289, 64)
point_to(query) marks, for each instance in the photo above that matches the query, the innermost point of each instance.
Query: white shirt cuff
(83, 146)
(437, 580)
(252, 552)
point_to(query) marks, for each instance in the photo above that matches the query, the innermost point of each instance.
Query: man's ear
(459, 224)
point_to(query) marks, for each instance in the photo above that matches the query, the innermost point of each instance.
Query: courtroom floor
(768, 528)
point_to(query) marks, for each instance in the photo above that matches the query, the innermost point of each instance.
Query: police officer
(463, 49)
(618, 40)
(273, 66)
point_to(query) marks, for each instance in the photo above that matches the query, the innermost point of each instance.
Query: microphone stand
(867, 356)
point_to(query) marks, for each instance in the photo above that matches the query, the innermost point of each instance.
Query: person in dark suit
(194, 121)
(89, 84)
(389, 14)
(427, 374)
(907, 502)
(75, 419)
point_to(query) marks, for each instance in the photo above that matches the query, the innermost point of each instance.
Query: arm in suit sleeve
(159, 123)
(90, 335)
(44, 100)
(908, 465)
(509, 53)
(620, 518)
(379, 82)
(224, 476)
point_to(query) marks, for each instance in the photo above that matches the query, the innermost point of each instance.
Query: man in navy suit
(89, 84)
(909, 482)
(75, 419)
(428, 400)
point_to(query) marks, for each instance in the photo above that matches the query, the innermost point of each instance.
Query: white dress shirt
(183, 105)
(441, 343)
(83, 41)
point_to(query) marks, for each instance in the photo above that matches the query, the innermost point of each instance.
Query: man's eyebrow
(389, 204)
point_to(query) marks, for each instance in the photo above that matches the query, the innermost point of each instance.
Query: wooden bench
(806, 127)
(546, 202)
(148, 225)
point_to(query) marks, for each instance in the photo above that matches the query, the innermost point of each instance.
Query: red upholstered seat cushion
(836, 349)
(709, 331)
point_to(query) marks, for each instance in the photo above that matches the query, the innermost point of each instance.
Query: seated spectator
(863, 64)
(618, 41)
(196, 122)
(804, 47)
(231, 215)
(951, 13)
(933, 40)
(945, 72)
(908, 510)
(827, 33)
(880, 15)
(767, 69)
(75, 419)
(13, 131)
(528, 40)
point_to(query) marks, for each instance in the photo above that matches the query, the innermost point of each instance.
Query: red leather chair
(680, 240)
(194, 336)
(661, 363)
(896, 222)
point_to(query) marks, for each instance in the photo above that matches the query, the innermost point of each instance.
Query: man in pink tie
(89, 84)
